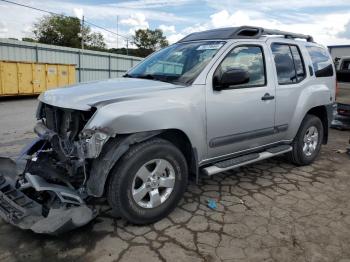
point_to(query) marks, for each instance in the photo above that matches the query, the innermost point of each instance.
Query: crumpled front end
(45, 189)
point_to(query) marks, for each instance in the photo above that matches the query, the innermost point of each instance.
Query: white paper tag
(209, 47)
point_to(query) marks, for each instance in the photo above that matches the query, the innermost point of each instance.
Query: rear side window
(321, 61)
(289, 64)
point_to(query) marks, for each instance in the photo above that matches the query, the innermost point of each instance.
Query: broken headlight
(92, 142)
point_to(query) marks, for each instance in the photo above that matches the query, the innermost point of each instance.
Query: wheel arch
(322, 112)
(182, 142)
(115, 148)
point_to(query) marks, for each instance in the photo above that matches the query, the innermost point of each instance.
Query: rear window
(321, 61)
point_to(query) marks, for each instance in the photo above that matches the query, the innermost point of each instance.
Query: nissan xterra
(214, 101)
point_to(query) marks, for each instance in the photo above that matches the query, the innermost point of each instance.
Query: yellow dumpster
(26, 78)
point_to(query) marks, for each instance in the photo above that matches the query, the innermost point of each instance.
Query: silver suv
(216, 100)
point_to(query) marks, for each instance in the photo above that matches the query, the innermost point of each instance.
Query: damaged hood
(86, 95)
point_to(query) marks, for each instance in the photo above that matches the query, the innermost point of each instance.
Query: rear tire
(148, 182)
(308, 141)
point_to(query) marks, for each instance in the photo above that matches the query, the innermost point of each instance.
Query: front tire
(308, 141)
(148, 182)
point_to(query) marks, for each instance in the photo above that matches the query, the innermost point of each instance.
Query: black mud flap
(19, 210)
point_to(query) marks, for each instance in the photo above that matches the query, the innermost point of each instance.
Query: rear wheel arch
(304, 140)
(321, 113)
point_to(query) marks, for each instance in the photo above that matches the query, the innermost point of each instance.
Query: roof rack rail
(308, 38)
(242, 32)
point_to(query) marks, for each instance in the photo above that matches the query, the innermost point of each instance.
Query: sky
(327, 20)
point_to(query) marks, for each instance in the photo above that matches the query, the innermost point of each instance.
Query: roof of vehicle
(242, 32)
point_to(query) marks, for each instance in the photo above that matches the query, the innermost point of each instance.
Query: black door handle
(267, 96)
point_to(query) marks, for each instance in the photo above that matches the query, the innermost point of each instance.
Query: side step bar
(246, 159)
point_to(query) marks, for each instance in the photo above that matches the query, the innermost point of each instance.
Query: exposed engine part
(47, 193)
(43, 132)
(61, 127)
(92, 145)
(88, 145)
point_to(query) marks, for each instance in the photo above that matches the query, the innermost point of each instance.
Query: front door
(242, 116)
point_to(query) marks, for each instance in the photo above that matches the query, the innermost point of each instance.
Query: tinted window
(249, 58)
(299, 66)
(321, 61)
(289, 64)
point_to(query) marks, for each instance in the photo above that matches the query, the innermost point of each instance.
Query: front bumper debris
(20, 210)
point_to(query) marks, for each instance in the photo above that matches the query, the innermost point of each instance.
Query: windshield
(180, 63)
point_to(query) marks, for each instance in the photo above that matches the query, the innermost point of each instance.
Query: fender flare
(111, 153)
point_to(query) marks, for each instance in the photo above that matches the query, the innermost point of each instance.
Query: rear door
(290, 72)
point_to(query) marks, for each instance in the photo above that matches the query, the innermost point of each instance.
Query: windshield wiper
(127, 75)
(147, 76)
(162, 78)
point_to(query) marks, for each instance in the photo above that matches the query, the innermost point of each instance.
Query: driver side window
(249, 58)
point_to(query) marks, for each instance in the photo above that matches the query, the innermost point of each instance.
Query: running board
(246, 159)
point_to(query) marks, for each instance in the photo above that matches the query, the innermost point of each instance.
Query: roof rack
(308, 38)
(242, 32)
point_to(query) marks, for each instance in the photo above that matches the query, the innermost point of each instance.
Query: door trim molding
(234, 138)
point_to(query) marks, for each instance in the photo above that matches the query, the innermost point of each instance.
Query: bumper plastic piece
(19, 210)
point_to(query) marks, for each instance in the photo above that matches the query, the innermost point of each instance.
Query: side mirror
(233, 76)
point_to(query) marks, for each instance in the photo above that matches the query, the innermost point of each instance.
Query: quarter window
(298, 62)
(321, 61)
(289, 64)
(249, 58)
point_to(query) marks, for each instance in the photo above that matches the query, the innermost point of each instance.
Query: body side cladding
(230, 139)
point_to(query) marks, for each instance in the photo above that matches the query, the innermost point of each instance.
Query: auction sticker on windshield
(210, 46)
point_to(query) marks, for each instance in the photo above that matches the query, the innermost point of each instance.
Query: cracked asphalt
(270, 211)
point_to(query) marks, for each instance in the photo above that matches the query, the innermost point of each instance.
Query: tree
(149, 41)
(28, 39)
(66, 31)
(124, 51)
(95, 41)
